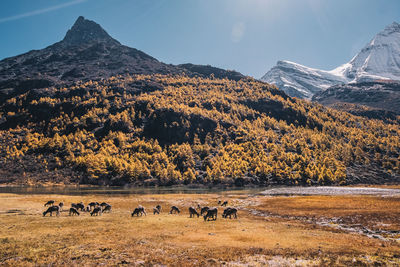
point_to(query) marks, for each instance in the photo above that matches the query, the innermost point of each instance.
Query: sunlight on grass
(26, 237)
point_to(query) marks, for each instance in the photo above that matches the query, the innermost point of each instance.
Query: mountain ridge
(87, 52)
(378, 60)
(300, 81)
(380, 97)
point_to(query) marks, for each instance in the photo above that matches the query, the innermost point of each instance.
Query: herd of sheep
(95, 208)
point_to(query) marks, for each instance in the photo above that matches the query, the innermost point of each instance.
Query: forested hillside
(170, 129)
(378, 99)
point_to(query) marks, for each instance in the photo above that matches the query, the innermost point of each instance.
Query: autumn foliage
(164, 129)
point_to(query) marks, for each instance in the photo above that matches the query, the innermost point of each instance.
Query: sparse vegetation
(27, 238)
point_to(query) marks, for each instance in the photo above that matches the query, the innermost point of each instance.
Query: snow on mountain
(378, 60)
(301, 81)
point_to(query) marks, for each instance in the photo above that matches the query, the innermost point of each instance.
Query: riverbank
(126, 190)
(332, 191)
(62, 189)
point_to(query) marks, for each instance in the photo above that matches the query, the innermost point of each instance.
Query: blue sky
(245, 35)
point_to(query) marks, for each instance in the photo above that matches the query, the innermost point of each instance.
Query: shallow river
(104, 190)
(271, 191)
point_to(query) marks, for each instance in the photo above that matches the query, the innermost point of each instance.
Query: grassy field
(269, 231)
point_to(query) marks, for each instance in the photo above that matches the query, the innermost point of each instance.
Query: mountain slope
(163, 124)
(378, 60)
(188, 130)
(86, 52)
(207, 70)
(379, 99)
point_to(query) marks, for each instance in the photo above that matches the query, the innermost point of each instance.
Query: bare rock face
(85, 31)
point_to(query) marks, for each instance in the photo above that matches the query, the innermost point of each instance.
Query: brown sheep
(96, 211)
(193, 212)
(174, 209)
(140, 210)
(229, 212)
(80, 206)
(93, 205)
(73, 211)
(49, 203)
(107, 208)
(204, 210)
(157, 209)
(104, 204)
(211, 213)
(52, 209)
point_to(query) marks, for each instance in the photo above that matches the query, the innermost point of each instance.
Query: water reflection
(103, 190)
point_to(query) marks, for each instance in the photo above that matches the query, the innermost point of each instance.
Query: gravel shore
(331, 191)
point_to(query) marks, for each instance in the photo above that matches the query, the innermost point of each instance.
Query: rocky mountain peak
(392, 28)
(378, 60)
(87, 52)
(85, 31)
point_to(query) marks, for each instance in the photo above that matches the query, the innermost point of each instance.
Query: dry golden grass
(28, 238)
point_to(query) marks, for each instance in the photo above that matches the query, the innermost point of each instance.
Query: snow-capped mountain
(378, 60)
(301, 81)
